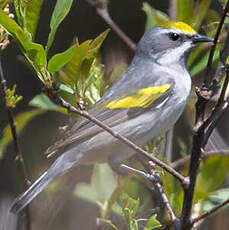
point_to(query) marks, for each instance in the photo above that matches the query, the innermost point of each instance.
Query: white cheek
(173, 55)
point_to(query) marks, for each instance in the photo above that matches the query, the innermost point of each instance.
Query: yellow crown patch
(178, 26)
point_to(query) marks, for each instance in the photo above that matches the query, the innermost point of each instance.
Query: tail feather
(62, 164)
(23, 200)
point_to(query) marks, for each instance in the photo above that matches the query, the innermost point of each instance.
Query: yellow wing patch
(141, 98)
(178, 26)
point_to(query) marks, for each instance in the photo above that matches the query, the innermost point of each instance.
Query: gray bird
(145, 101)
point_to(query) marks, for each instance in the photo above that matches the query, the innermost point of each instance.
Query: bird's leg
(151, 177)
(123, 169)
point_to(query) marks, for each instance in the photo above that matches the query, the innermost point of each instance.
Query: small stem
(207, 79)
(173, 10)
(210, 212)
(175, 220)
(168, 145)
(214, 122)
(102, 11)
(181, 161)
(218, 110)
(18, 155)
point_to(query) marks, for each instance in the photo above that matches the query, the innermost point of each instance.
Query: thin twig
(175, 220)
(18, 155)
(173, 10)
(221, 101)
(210, 212)
(180, 162)
(85, 114)
(158, 184)
(102, 11)
(207, 79)
(223, 57)
(183, 160)
(214, 122)
(168, 145)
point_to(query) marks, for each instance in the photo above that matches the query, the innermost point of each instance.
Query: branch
(123, 139)
(210, 212)
(18, 155)
(183, 160)
(154, 177)
(159, 185)
(173, 10)
(102, 11)
(204, 95)
(207, 79)
(214, 122)
(175, 220)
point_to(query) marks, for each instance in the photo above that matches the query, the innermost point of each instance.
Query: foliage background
(86, 24)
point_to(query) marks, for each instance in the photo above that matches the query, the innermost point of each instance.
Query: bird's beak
(201, 38)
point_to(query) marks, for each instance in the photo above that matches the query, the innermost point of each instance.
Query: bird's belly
(159, 122)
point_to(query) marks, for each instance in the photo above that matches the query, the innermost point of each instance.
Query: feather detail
(142, 98)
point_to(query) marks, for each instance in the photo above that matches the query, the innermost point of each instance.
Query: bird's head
(168, 42)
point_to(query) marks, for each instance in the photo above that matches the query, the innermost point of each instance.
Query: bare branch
(183, 160)
(204, 95)
(159, 186)
(102, 11)
(207, 79)
(210, 212)
(173, 10)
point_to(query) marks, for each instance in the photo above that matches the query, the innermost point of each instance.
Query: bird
(144, 102)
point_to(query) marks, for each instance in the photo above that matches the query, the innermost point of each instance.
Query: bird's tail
(59, 167)
(25, 198)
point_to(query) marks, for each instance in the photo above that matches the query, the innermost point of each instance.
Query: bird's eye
(174, 36)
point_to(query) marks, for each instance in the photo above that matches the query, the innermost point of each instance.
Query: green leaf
(73, 67)
(198, 67)
(60, 11)
(20, 6)
(129, 203)
(21, 121)
(215, 198)
(32, 15)
(12, 98)
(200, 13)
(85, 70)
(185, 10)
(173, 190)
(153, 16)
(152, 223)
(34, 52)
(103, 183)
(65, 88)
(130, 207)
(59, 60)
(79, 67)
(96, 44)
(210, 177)
(195, 54)
(43, 102)
(3, 4)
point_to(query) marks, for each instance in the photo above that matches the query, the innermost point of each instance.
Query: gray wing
(84, 129)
